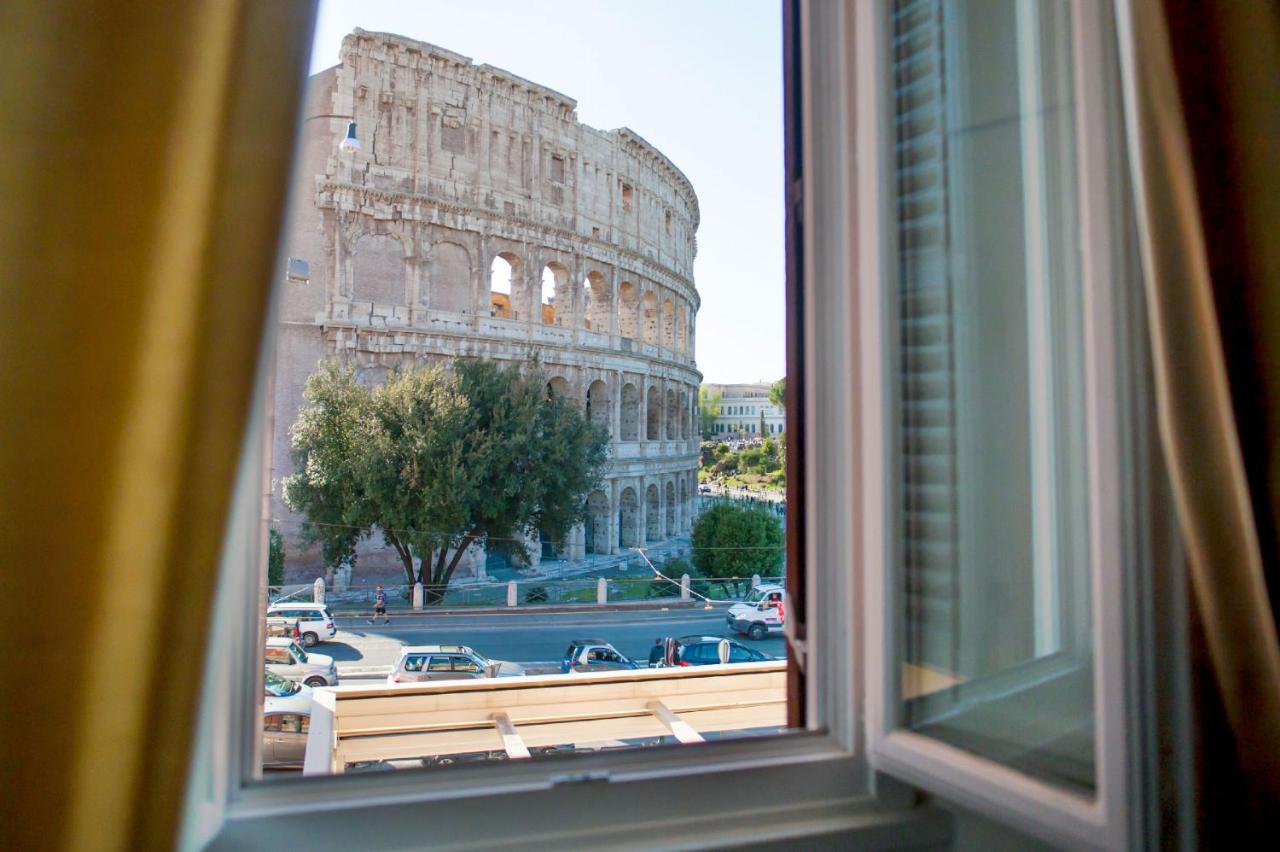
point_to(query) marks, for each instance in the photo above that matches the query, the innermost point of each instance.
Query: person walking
(379, 605)
(656, 653)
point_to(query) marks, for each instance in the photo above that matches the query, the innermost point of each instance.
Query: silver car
(420, 663)
(287, 658)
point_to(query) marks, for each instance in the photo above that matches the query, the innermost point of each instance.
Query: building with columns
(479, 217)
(740, 408)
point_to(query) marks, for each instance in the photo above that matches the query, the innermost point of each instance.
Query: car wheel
(314, 682)
(310, 639)
(756, 631)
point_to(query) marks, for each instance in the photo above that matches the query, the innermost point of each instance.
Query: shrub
(275, 557)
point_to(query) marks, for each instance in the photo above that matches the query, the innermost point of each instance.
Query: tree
(734, 541)
(708, 410)
(275, 557)
(438, 461)
(778, 392)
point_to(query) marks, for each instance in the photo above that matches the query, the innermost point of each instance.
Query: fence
(536, 592)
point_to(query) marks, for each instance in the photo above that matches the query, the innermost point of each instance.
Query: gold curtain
(142, 182)
(1204, 101)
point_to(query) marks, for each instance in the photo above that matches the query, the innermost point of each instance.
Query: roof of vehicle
(434, 649)
(280, 641)
(685, 640)
(298, 703)
(588, 642)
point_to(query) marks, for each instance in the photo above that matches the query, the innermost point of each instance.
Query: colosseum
(478, 216)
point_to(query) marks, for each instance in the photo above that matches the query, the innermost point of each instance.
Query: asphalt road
(527, 636)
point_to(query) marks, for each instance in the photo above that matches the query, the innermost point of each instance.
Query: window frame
(987, 787)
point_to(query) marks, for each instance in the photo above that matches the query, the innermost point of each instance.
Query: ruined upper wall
(433, 122)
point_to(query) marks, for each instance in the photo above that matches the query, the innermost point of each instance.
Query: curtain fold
(1203, 114)
(141, 198)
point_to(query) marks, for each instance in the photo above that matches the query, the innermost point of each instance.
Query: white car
(761, 614)
(286, 658)
(420, 663)
(315, 622)
(285, 723)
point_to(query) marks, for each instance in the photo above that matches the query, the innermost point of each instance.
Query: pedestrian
(656, 653)
(379, 605)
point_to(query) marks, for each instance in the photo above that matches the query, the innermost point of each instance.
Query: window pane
(991, 508)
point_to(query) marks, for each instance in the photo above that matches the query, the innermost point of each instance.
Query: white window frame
(811, 782)
(985, 786)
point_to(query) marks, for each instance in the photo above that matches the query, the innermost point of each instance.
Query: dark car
(705, 651)
(590, 655)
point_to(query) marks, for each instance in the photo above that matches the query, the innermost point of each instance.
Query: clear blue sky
(700, 79)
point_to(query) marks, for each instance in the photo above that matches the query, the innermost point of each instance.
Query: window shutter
(926, 390)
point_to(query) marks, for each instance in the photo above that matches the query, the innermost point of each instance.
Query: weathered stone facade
(461, 164)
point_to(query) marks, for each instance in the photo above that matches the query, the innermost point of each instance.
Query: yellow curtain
(143, 171)
(1204, 105)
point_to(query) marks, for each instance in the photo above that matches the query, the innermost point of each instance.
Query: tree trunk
(405, 554)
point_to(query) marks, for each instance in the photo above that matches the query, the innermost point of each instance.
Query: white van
(761, 614)
(315, 622)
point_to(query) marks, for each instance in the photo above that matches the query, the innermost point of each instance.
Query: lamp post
(349, 143)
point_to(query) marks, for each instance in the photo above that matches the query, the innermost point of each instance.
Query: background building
(740, 409)
(480, 217)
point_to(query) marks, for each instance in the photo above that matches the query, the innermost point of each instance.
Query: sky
(699, 79)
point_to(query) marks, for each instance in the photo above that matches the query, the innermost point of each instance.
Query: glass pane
(991, 523)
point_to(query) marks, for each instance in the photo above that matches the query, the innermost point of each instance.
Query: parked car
(418, 663)
(315, 622)
(275, 686)
(592, 655)
(285, 723)
(286, 658)
(760, 614)
(705, 651)
(279, 626)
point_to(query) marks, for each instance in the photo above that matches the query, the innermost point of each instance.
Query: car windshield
(757, 595)
(298, 653)
(480, 659)
(278, 686)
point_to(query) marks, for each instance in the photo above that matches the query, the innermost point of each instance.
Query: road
(526, 636)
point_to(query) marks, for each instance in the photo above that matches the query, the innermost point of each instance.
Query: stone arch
(557, 300)
(672, 416)
(378, 270)
(628, 518)
(686, 515)
(450, 273)
(628, 311)
(668, 324)
(558, 387)
(653, 415)
(595, 303)
(683, 407)
(682, 335)
(649, 320)
(670, 493)
(630, 413)
(505, 274)
(596, 523)
(598, 404)
(652, 520)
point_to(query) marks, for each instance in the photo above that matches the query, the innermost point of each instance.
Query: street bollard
(318, 590)
(417, 596)
(511, 593)
(684, 587)
(602, 591)
(755, 580)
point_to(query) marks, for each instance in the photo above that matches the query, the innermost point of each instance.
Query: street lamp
(350, 143)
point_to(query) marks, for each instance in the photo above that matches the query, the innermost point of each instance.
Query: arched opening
(652, 520)
(670, 494)
(653, 418)
(630, 413)
(596, 524)
(628, 519)
(558, 388)
(595, 303)
(683, 407)
(673, 430)
(685, 515)
(378, 271)
(668, 324)
(598, 404)
(628, 306)
(450, 284)
(682, 337)
(504, 274)
(650, 318)
(557, 303)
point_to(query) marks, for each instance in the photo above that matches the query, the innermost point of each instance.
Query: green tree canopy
(437, 461)
(734, 541)
(708, 410)
(778, 393)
